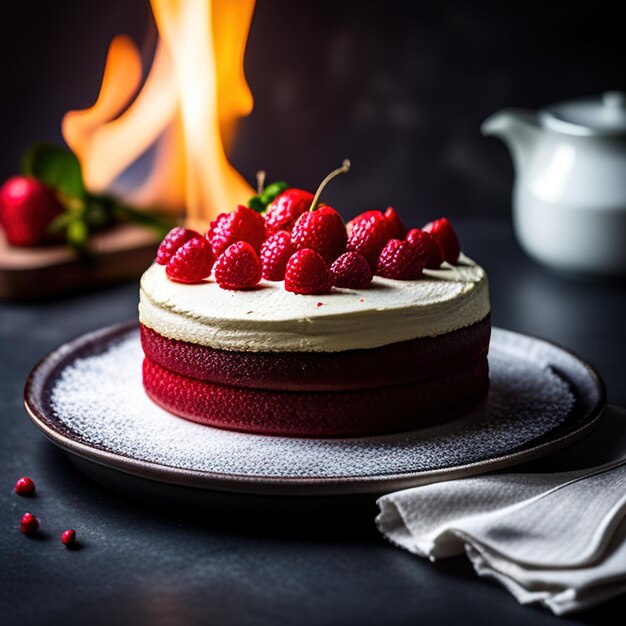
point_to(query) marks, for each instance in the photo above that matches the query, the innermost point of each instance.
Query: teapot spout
(519, 129)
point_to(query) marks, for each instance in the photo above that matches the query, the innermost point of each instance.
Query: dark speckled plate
(542, 398)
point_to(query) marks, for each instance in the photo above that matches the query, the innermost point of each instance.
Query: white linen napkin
(554, 535)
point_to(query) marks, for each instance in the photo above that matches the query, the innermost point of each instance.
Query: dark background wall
(401, 88)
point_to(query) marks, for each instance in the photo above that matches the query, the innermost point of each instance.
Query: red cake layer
(395, 364)
(318, 414)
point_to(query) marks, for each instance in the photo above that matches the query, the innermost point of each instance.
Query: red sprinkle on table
(68, 538)
(25, 486)
(29, 524)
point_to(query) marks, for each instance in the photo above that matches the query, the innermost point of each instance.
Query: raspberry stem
(260, 181)
(345, 167)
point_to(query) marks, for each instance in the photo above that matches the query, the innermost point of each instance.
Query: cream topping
(270, 319)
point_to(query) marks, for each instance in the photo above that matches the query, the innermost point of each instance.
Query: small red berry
(275, 252)
(352, 271)
(401, 260)
(27, 207)
(361, 216)
(25, 486)
(397, 228)
(192, 262)
(286, 208)
(433, 254)
(307, 273)
(443, 232)
(177, 237)
(238, 267)
(29, 524)
(368, 236)
(322, 230)
(68, 538)
(242, 224)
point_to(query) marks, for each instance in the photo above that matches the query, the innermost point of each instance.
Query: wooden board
(119, 254)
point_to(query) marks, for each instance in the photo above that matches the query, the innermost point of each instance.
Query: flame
(186, 111)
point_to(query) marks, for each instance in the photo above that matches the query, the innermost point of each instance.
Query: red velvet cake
(321, 347)
(397, 355)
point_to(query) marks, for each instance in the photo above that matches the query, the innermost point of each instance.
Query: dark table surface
(160, 563)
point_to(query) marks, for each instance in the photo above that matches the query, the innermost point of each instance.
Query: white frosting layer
(270, 319)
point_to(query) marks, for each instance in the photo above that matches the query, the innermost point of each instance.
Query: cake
(399, 355)
(284, 321)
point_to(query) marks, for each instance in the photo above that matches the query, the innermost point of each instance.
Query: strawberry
(242, 224)
(172, 241)
(192, 262)
(307, 273)
(275, 253)
(401, 260)
(433, 254)
(351, 270)
(443, 232)
(396, 226)
(368, 236)
(27, 207)
(283, 212)
(322, 230)
(238, 267)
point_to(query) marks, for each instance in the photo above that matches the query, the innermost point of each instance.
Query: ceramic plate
(87, 398)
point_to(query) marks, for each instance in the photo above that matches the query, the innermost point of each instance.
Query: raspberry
(275, 253)
(443, 232)
(355, 220)
(283, 212)
(307, 273)
(238, 267)
(322, 230)
(242, 224)
(433, 254)
(397, 229)
(368, 236)
(192, 262)
(172, 241)
(351, 270)
(396, 226)
(401, 260)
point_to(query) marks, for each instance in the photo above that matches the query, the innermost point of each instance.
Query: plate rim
(281, 485)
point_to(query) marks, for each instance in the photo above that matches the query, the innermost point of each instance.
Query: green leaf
(99, 211)
(60, 223)
(256, 204)
(260, 202)
(56, 167)
(159, 224)
(273, 190)
(85, 213)
(77, 234)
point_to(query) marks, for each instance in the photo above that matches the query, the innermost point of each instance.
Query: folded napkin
(554, 535)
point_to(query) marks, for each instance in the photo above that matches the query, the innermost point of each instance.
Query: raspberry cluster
(307, 245)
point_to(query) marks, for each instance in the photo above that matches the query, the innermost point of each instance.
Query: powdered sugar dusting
(101, 399)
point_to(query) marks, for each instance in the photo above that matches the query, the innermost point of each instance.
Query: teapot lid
(600, 115)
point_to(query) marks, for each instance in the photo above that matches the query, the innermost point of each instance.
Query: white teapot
(569, 197)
